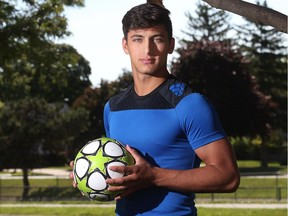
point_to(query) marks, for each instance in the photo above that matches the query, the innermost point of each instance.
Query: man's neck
(146, 84)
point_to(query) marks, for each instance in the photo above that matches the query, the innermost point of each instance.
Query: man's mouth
(148, 61)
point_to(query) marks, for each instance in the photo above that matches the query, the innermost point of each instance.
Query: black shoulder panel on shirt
(174, 91)
(166, 96)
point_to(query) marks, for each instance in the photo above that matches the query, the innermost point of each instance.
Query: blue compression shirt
(165, 126)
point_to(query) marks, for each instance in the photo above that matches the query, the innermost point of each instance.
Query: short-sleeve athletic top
(165, 126)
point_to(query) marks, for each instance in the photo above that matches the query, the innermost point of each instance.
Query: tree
(220, 73)
(32, 131)
(213, 66)
(56, 73)
(39, 80)
(265, 47)
(26, 25)
(94, 100)
(209, 24)
(256, 13)
(30, 63)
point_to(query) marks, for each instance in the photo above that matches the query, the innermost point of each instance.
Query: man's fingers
(71, 163)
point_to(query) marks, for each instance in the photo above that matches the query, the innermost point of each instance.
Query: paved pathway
(51, 171)
(46, 173)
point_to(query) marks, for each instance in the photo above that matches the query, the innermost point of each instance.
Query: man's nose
(149, 47)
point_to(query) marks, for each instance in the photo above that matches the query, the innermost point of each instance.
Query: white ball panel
(113, 150)
(81, 167)
(114, 174)
(96, 181)
(92, 147)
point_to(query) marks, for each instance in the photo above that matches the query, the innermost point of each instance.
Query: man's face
(148, 50)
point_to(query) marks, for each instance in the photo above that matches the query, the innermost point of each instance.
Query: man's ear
(171, 45)
(125, 45)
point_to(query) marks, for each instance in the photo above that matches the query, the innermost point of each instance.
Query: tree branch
(253, 12)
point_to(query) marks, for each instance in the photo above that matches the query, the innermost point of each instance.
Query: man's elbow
(233, 183)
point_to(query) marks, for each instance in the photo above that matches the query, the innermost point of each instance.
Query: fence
(69, 194)
(248, 194)
(274, 190)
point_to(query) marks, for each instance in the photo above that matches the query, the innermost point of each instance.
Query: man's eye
(137, 39)
(158, 40)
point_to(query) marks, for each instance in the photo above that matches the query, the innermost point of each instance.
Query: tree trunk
(264, 158)
(253, 12)
(26, 185)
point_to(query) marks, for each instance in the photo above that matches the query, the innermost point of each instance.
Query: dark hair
(146, 16)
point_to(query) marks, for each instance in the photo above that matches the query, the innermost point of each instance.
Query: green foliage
(28, 24)
(245, 78)
(220, 73)
(39, 80)
(34, 130)
(94, 100)
(211, 65)
(56, 73)
(247, 148)
(30, 63)
(267, 52)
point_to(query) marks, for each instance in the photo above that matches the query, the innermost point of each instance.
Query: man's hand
(137, 177)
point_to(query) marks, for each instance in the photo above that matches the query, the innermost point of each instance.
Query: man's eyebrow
(153, 36)
(136, 35)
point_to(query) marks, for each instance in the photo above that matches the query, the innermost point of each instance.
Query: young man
(170, 128)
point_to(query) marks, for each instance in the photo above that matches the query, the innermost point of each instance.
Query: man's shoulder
(121, 97)
(174, 91)
(168, 95)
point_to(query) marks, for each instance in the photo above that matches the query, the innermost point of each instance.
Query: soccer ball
(91, 167)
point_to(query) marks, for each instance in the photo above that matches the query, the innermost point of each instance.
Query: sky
(97, 31)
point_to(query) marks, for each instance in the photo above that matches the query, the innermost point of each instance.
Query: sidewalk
(46, 173)
(51, 171)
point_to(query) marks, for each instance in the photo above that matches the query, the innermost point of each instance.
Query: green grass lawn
(95, 211)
